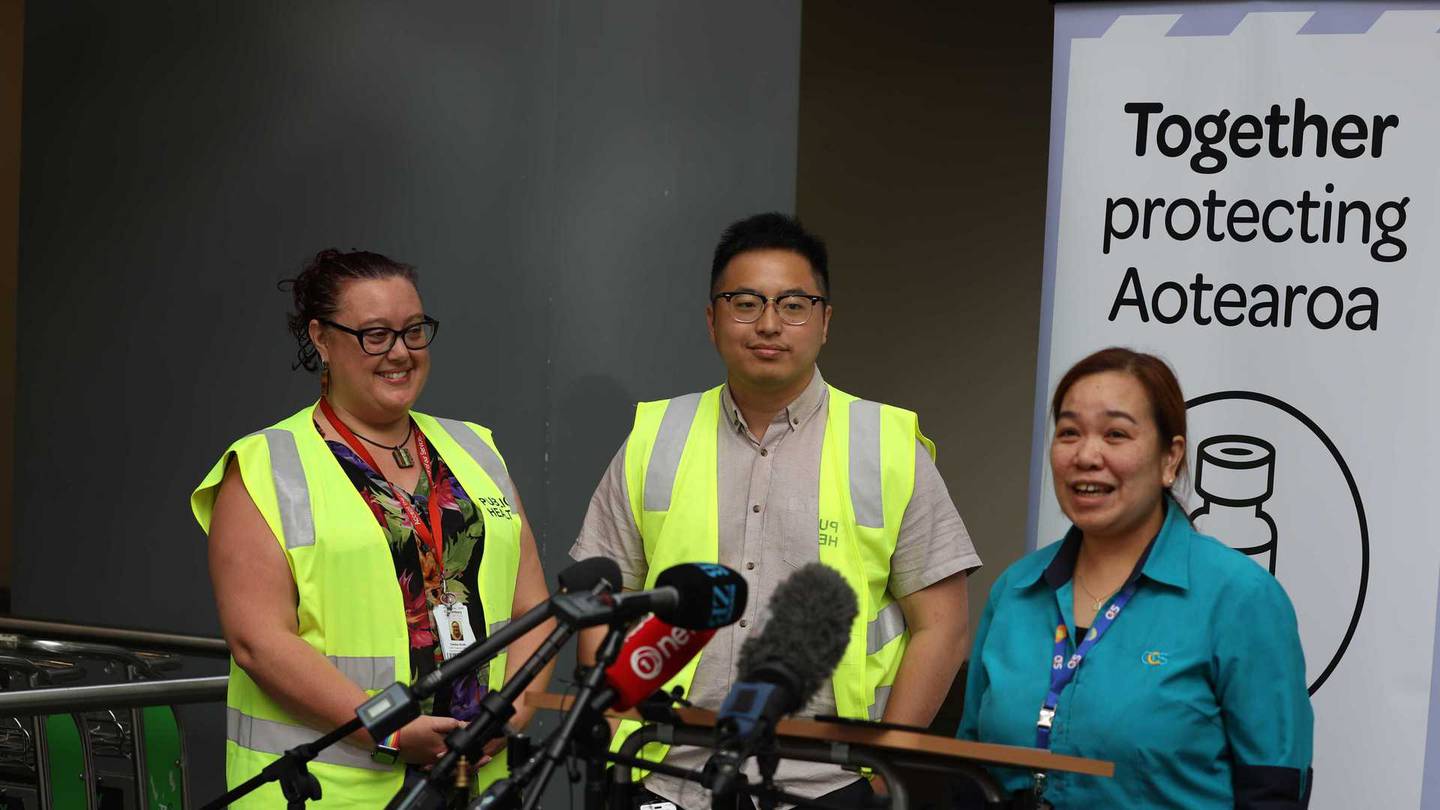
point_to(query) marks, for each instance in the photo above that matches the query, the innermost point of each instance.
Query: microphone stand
(573, 611)
(768, 760)
(536, 773)
(398, 704)
(495, 709)
(383, 713)
(296, 781)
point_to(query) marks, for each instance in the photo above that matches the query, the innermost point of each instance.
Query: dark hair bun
(316, 292)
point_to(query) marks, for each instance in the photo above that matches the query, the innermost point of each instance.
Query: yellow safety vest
(351, 609)
(867, 475)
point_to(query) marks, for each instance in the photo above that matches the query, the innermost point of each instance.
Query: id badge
(452, 623)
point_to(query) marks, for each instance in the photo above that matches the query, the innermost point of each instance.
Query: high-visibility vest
(867, 475)
(350, 605)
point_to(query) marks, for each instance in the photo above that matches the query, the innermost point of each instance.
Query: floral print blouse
(463, 528)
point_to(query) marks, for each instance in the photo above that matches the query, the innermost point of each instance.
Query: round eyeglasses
(794, 309)
(379, 340)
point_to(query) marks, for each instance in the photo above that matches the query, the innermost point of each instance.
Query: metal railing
(123, 741)
(146, 639)
(68, 699)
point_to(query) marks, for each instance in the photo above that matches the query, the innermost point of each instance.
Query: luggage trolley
(137, 756)
(43, 762)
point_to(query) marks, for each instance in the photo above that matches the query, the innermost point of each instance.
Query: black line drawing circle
(1295, 413)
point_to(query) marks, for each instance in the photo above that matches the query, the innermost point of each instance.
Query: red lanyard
(431, 535)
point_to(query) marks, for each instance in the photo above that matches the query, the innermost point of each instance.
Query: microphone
(578, 578)
(583, 580)
(652, 654)
(398, 703)
(695, 596)
(782, 667)
(583, 576)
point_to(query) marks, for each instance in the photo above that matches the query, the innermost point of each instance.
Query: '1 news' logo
(647, 662)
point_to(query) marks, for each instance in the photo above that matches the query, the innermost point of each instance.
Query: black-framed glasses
(379, 340)
(793, 308)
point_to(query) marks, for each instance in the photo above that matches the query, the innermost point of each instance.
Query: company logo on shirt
(1155, 658)
(829, 532)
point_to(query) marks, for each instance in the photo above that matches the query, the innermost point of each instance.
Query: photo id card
(452, 623)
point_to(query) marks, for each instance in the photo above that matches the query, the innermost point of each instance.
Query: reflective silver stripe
(887, 626)
(865, 486)
(882, 697)
(497, 626)
(292, 493)
(665, 453)
(483, 454)
(274, 737)
(366, 673)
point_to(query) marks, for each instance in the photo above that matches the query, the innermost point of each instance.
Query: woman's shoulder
(1210, 555)
(450, 424)
(1232, 572)
(473, 438)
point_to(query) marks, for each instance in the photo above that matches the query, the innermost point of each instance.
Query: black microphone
(695, 596)
(583, 576)
(782, 667)
(399, 703)
(578, 578)
(596, 574)
(650, 656)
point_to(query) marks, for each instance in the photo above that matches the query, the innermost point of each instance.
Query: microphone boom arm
(555, 750)
(495, 709)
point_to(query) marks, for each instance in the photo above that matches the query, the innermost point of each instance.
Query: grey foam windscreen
(811, 614)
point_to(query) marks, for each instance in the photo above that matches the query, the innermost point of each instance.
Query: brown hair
(317, 292)
(1167, 403)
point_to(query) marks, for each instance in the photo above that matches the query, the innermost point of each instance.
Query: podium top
(914, 742)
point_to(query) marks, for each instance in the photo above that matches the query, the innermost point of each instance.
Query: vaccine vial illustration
(1235, 475)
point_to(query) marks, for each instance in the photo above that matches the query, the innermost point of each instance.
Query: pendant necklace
(1099, 603)
(399, 452)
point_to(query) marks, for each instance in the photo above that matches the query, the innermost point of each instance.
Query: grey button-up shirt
(769, 492)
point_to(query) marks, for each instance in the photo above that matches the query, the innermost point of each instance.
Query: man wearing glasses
(776, 469)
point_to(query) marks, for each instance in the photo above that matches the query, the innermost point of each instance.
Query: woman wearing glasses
(358, 543)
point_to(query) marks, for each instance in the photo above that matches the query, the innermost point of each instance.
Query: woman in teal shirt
(1188, 673)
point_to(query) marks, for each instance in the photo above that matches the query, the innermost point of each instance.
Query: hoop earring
(324, 379)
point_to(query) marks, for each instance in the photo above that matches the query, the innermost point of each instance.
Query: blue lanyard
(1062, 668)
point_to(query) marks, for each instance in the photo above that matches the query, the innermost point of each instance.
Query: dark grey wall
(12, 47)
(557, 170)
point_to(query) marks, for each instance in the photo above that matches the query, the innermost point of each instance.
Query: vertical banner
(1250, 191)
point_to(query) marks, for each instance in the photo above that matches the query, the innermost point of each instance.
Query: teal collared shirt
(1197, 692)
